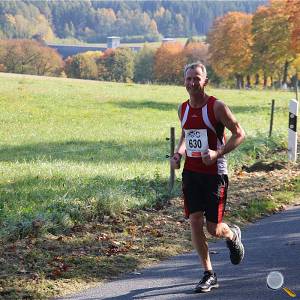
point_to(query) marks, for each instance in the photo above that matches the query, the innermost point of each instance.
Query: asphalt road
(271, 244)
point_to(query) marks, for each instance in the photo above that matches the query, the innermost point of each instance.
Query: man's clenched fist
(175, 160)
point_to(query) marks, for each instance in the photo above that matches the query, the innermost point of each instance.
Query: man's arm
(180, 149)
(225, 116)
(181, 144)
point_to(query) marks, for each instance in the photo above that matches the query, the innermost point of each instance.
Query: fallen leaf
(116, 243)
(56, 272)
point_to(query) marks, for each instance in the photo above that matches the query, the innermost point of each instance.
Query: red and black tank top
(202, 131)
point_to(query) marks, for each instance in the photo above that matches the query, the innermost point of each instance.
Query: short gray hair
(193, 66)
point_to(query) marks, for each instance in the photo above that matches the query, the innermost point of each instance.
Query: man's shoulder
(179, 110)
(183, 104)
(218, 103)
(214, 99)
(219, 108)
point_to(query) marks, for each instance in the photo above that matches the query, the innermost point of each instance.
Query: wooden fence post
(272, 117)
(296, 87)
(172, 147)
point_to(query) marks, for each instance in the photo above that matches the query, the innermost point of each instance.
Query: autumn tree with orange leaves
(230, 41)
(272, 49)
(83, 65)
(292, 7)
(196, 51)
(169, 62)
(29, 57)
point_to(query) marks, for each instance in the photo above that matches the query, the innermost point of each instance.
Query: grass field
(74, 150)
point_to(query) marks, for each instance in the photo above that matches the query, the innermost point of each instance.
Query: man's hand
(209, 157)
(175, 161)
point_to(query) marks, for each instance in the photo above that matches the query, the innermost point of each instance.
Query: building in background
(113, 42)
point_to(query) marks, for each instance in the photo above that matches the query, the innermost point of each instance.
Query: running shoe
(235, 246)
(208, 282)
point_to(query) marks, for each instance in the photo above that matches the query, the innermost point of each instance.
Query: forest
(134, 21)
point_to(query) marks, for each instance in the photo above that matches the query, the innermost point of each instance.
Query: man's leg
(209, 279)
(220, 230)
(194, 206)
(233, 237)
(199, 239)
(217, 195)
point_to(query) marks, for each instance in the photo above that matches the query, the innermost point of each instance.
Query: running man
(204, 178)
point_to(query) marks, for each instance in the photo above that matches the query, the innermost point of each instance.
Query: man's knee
(196, 220)
(215, 230)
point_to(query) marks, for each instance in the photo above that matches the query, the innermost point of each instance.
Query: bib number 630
(195, 143)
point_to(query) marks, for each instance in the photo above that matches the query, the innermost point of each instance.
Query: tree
(29, 57)
(163, 19)
(294, 19)
(104, 23)
(196, 51)
(103, 18)
(179, 25)
(169, 63)
(292, 7)
(83, 65)
(19, 25)
(47, 61)
(230, 41)
(143, 66)
(119, 65)
(272, 52)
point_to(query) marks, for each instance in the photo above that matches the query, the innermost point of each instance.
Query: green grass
(74, 150)
(256, 208)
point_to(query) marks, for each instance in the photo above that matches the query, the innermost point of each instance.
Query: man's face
(195, 81)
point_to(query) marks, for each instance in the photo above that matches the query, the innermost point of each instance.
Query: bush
(29, 57)
(82, 66)
(117, 65)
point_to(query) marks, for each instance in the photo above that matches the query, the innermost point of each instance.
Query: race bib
(196, 142)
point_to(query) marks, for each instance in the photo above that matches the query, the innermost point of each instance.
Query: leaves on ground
(44, 266)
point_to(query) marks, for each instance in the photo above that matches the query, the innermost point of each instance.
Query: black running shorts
(206, 193)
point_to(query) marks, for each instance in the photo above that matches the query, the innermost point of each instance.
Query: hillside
(93, 21)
